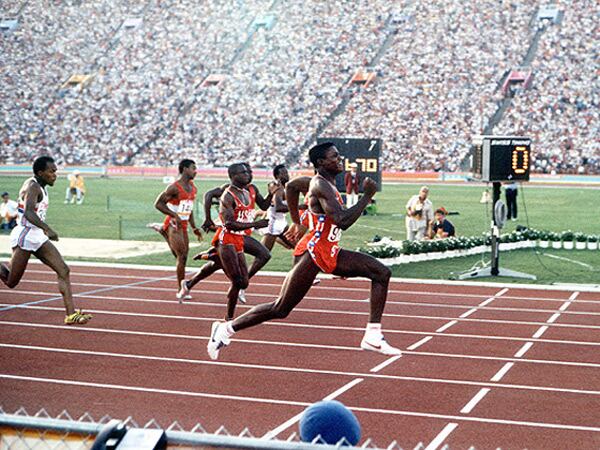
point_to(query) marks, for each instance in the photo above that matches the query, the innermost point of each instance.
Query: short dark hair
(278, 168)
(41, 163)
(184, 164)
(233, 167)
(318, 152)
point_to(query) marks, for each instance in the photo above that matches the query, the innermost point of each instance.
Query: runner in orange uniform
(319, 251)
(177, 203)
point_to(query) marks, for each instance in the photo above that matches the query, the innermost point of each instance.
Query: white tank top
(40, 208)
(275, 216)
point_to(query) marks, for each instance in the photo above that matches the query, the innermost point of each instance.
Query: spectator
(8, 212)
(510, 191)
(351, 180)
(419, 215)
(442, 227)
(76, 188)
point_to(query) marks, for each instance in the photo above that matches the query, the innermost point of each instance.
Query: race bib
(335, 234)
(185, 209)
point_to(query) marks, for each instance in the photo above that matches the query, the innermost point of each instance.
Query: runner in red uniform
(177, 203)
(252, 247)
(237, 216)
(319, 251)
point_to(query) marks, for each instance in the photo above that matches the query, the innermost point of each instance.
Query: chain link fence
(21, 430)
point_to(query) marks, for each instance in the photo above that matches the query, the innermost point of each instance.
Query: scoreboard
(501, 158)
(365, 153)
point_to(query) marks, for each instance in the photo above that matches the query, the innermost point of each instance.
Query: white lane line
(94, 291)
(441, 437)
(555, 426)
(476, 399)
(523, 349)
(325, 299)
(386, 363)
(505, 368)
(502, 292)
(573, 296)
(564, 306)
(288, 344)
(541, 330)
(487, 302)
(301, 370)
(468, 313)
(445, 327)
(419, 343)
(320, 327)
(288, 423)
(553, 318)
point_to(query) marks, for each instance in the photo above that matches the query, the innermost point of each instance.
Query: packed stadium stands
(437, 66)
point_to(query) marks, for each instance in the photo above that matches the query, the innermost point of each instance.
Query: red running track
(483, 366)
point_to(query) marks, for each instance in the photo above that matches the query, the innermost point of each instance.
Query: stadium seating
(284, 67)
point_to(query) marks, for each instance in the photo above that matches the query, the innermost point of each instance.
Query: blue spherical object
(330, 419)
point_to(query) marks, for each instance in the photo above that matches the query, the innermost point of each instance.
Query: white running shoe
(242, 296)
(218, 339)
(155, 226)
(316, 281)
(380, 347)
(184, 292)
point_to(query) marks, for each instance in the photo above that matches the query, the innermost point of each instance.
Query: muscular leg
(205, 271)
(18, 263)
(50, 256)
(268, 241)
(260, 253)
(354, 264)
(180, 246)
(297, 283)
(234, 266)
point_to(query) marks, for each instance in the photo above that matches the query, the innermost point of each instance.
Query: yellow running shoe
(77, 318)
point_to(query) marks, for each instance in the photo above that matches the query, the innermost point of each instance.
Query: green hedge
(386, 250)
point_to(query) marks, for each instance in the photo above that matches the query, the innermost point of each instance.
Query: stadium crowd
(561, 111)
(436, 83)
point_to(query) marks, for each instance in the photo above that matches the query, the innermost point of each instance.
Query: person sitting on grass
(442, 227)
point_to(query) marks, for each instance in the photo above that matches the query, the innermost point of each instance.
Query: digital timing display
(500, 158)
(365, 153)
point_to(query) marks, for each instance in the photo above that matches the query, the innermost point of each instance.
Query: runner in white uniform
(33, 235)
(276, 214)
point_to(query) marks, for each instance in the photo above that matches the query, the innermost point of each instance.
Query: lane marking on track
(419, 343)
(446, 326)
(573, 295)
(441, 437)
(288, 423)
(541, 330)
(303, 370)
(327, 287)
(94, 291)
(324, 299)
(289, 344)
(523, 349)
(384, 364)
(503, 371)
(468, 313)
(321, 327)
(553, 318)
(476, 399)
(565, 306)
(555, 426)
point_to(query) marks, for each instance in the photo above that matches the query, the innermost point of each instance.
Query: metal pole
(495, 233)
(120, 227)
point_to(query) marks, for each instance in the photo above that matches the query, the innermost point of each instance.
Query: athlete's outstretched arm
(169, 193)
(33, 194)
(343, 218)
(227, 211)
(208, 199)
(263, 202)
(293, 189)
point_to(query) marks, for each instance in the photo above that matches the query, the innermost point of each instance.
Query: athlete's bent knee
(382, 274)
(63, 272)
(280, 312)
(240, 282)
